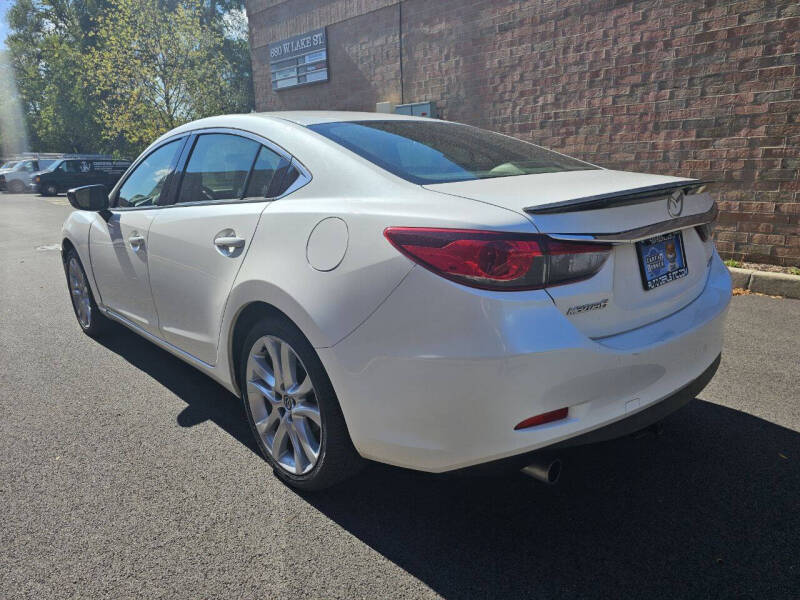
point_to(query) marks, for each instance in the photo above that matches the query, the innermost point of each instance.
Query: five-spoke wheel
(79, 291)
(284, 405)
(91, 320)
(291, 406)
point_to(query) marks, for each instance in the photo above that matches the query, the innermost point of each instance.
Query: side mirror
(89, 197)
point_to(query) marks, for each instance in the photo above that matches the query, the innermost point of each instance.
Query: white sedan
(411, 291)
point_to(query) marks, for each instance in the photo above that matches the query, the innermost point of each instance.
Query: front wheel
(92, 321)
(292, 408)
(16, 187)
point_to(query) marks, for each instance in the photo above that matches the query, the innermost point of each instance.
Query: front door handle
(136, 241)
(228, 243)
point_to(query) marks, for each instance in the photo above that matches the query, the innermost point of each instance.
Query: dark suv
(68, 173)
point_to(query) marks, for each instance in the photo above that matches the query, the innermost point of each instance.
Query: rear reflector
(495, 260)
(548, 417)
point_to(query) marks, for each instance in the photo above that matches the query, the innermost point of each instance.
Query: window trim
(114, 195)
(304, 178)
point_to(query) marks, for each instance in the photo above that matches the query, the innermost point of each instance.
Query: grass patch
(733, 263)
(794, 270)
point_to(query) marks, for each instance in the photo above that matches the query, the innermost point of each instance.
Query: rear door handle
(136, 241)
(228, 243)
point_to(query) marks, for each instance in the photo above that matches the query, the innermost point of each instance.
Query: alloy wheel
(283, 405)
(79, 291)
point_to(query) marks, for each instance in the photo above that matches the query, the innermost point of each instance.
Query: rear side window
(437, 152)
(217, 168)
(268, 167)
(143, 187)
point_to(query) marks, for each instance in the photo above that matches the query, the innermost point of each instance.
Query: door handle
(228, 243)
(136, 241)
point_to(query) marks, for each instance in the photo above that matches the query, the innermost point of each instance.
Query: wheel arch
(66, 246)
(247, 316)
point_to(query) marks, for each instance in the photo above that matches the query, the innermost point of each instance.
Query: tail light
(494, 260)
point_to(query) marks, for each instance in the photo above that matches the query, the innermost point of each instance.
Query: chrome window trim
(303, 179)
(642, 233)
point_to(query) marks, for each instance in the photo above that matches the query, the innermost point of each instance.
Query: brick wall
(708, 89)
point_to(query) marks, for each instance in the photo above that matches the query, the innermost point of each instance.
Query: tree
(110, 75)
(153, 69)
(48, 42)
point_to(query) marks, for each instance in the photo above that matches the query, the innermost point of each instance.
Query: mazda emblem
(675, 204)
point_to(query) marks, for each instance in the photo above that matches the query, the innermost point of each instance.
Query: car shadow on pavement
(707, 509)
(205, 399)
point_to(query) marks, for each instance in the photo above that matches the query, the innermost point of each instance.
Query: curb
(762, 282)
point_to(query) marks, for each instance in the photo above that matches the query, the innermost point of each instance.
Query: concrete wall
(707, 89)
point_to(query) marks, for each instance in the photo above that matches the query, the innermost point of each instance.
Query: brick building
(708, 89)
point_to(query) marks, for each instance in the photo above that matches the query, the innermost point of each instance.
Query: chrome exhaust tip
(546, 471)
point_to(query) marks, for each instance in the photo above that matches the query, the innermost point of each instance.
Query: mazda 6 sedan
(410, 291)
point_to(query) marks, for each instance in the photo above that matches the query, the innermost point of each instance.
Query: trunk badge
(574, 310)
(675, 204)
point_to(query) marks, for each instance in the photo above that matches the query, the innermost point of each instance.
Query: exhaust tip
(546, 471)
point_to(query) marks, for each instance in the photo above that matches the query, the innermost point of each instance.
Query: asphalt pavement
(126, 473)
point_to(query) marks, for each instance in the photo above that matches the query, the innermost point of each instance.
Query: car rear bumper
(437, 378)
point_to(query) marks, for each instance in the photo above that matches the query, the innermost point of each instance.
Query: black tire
(338, 459)
(98, 323)
(16, 187)
(49, 189)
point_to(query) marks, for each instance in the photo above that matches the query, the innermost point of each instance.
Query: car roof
(312, 117)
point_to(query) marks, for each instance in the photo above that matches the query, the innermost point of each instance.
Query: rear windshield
(439, 152)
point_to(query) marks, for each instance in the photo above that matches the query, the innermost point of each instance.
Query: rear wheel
(92, 321)
(292, 409)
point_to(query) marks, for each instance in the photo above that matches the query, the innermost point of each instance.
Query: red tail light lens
(496, 260)
(548, 417)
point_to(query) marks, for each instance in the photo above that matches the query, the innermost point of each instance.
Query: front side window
(217, 168)
(144, 186)
(427, 152)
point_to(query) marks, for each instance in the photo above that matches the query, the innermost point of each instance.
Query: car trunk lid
(625, 210)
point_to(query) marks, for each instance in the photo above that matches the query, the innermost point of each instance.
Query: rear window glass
(438, 152)
(265, 169)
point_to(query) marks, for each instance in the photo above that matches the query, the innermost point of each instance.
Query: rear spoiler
(624, 198)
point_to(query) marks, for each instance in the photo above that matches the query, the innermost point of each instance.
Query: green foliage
(112, 75)
(733, 263)
(47, 43)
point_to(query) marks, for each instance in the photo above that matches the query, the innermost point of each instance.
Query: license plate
(661, 260)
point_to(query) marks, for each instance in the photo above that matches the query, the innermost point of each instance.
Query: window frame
(177, 179)
(114, 195)
(170, 192)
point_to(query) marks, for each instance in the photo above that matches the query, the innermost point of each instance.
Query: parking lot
(124, 472)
